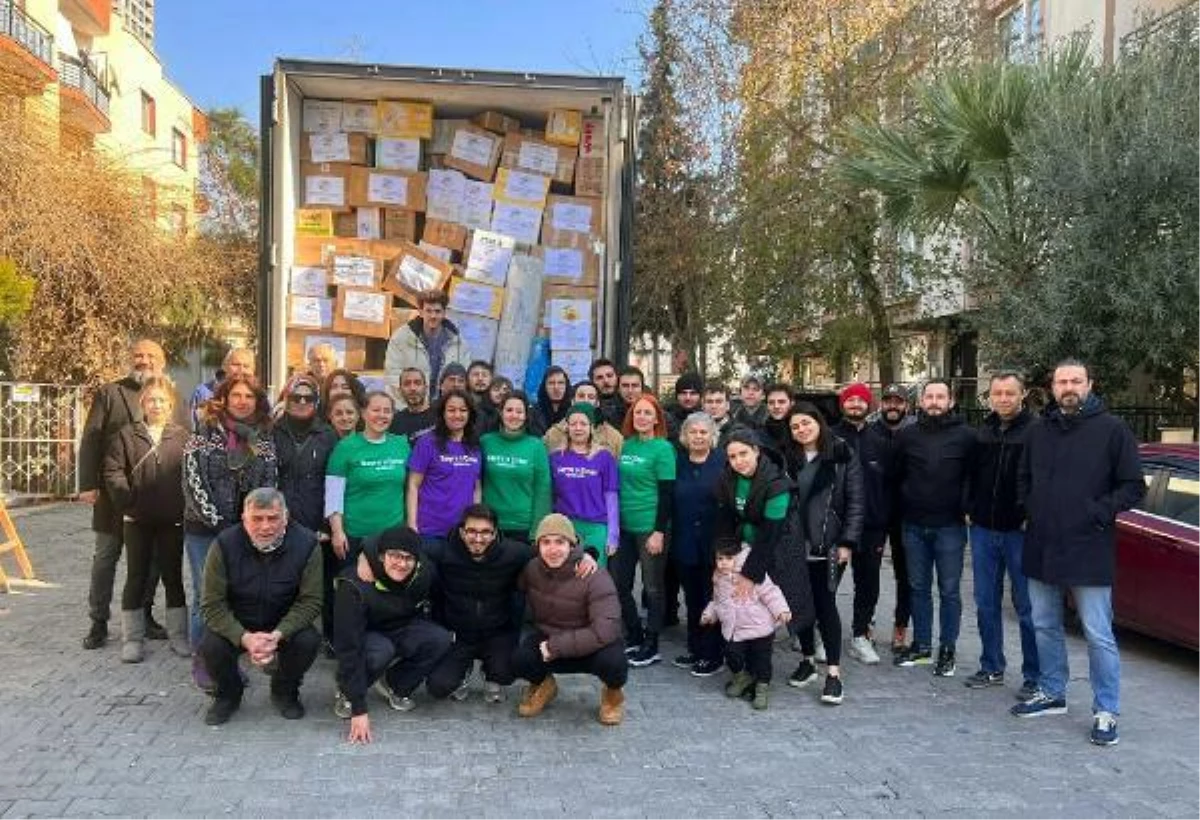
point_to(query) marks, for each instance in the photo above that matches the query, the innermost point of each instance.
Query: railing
(1136, 40)
(78, 74)
(40, 426)
(16, 24)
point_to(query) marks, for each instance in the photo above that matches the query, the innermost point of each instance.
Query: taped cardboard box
(590, 175)
(414, 271)
(571, 266)
(324, 185)
(308, 280)
(314, 222)
(316, 250)
(497, 122)
(563, 126)
(336, 147)
(321, 116)
(363, 312)
(538, 156)
(570, 215)
(591, 138)
(398, 153)
(571, 323)
(359, 223)
(515, 187)
(355, 270)
(443, 135)
(445, 235)
(406, 118)
(374, 187)
(310, 312)
(399, 225)
(351, 350)
(475, 152)
(345, 224)
(478, 332)
(488, 257)
(476, 298)
(361, 116)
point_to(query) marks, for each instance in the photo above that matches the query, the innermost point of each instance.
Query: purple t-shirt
(448, 486)
(581, 482)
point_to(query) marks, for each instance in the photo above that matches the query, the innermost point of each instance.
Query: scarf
(241, 442)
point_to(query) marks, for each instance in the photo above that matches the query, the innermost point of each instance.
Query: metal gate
(40, 426)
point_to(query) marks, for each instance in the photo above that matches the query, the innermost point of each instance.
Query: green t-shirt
(775, 509)
(375, 472)
(516, 479)
(644, 463)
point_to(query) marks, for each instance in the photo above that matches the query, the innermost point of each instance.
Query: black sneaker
(685, 661)
(288, 705)
(705, 669)
(914, 656)
(632, 649)
(945, 662)
(1104, 729)
(982, 680)
(1028, 689)
(1038, 705)
(805, 674)
(97, 636)
(832, 693)
(221, 711)
(645, 655)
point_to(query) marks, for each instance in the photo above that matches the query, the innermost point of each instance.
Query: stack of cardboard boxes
(506, 218)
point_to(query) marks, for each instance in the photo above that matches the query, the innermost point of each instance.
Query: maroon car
(1158, 549)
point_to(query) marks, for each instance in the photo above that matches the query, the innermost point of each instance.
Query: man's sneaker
(945, 662)
(341, 705)
(633, 649)
(832, 693)
(805, 674)
(97, 636)
(400, 703)
(862, 650)
(982, 680)
(463, 691)
(819, 649)
(221, 711)
(288, 705)
(1040, 704)
(1104, 729)
(685, 661)
(706, 669)
(645, 655)
(1028, 689)
(493, 692)
(913, 656)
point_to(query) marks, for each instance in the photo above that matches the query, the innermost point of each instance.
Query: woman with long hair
(445, 469)
(584, 477)
(343, 414)
(343, 381)
(516, 471)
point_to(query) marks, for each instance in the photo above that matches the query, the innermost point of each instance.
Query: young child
(748, 625)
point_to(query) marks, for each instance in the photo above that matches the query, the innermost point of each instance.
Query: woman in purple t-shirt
(584, 478)
(444, 468)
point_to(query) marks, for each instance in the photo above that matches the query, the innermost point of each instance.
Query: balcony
(83, 99)
(26, 51)
(92, 17)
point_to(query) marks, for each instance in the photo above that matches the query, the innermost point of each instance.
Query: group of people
(473, 524)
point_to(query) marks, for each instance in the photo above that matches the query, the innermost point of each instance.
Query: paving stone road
(84, 735)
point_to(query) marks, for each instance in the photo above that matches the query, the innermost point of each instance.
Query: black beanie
(689, 381)
(393, 538)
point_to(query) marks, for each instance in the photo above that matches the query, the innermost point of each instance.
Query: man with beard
(603, 374)
(893, 414)
(430, 343)
(935, 457)
(115, 405)
(775, 425)
(479, 379)
(687, 401)
(238, 362)
(415, 419)
(1079, 470)
(873, 442)
(751, 412)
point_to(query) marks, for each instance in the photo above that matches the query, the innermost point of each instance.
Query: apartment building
(87, 73)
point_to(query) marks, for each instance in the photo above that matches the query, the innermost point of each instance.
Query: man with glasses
(429, 343)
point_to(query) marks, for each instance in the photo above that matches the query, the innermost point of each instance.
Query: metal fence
(40, 426)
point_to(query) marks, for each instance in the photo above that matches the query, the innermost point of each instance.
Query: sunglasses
(302, 398)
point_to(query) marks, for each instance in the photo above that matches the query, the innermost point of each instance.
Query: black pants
(406, 656)
(608, 663)
(900, 567)
(496, 652)
(146, 546)
(296, 654)
(630, 555)
(828, 619)
(753, 656)
(105, 557)
(703, 642)
(333, 566)
(672, 584)
(865, 567)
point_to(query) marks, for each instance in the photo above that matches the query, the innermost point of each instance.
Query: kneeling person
(381, 628)
(275, 627)
(577, 624)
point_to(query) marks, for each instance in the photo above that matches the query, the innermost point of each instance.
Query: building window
(149, 115)
(1020, 32)
(137, 18)
(150, 196)
(179, 148)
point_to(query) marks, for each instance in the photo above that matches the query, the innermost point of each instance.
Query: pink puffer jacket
(744, 620)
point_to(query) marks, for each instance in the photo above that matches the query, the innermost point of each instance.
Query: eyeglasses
(400, 557)
(302, 398)
(474, 533)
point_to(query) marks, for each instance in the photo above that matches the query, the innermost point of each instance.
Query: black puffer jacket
(935, 457)
(113, 407)
(994, 501)
(476, 597)
(831, 513)
(144, 481)
(301, 456)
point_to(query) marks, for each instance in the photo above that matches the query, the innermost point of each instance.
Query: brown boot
(537, 696)
(612, 706)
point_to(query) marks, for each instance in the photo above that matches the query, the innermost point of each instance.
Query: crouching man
(261, 595)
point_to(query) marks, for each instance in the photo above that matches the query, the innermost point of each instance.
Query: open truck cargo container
(454, 94)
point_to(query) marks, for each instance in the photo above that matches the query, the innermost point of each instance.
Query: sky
(216, 50)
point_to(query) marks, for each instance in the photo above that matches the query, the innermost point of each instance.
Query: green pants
(594, 535)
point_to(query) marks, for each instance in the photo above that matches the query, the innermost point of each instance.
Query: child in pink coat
(747, 622)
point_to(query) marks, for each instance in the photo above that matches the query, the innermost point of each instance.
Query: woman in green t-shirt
(516, 471)
(647, 488)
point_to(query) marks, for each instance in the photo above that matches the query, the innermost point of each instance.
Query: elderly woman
(698, 473)
(577, 625)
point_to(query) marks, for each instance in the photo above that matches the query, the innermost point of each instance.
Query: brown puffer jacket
(578, 616)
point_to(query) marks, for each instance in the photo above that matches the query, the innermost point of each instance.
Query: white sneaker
(862, 650)
(397, 702)
(463, 691)
(493, 692)
(819, 650)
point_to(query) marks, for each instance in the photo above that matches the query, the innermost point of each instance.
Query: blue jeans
(1094, 605)
(993, 552)
(196, 548)
(941, 548)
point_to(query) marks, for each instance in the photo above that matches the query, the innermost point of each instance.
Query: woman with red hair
(646, 488)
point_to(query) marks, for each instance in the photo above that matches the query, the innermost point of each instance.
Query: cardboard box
(571, 266)
(386, 250)
(516, 187)
(445, 235)
(443, 135)
(355, 270)
(309, 280)
(361, 116)
(336, 147)
(352, 350)
(324, 185)
(399, 224)
(571, 322)
(398, 153)
(590, 175)
(359, 223)
(414, 270)
(475, 152)
(591, 138)
(321, 116)
(567, 215)
(552, 290)
(476, 298)
(478, 332)
(406, 118)
(373, 187)
(488, 257)
(345, 224)
(315, 250)
(445, 254)
(520, 222)
(314, 222)
(538, 156)
(497, 122)
(363, 312)
(563, 127)
(310, 312)
(575, 362)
